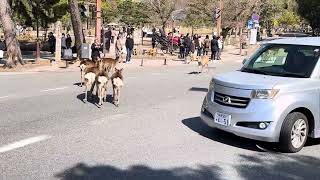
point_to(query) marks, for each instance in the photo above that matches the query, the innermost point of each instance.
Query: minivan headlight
(264, 93)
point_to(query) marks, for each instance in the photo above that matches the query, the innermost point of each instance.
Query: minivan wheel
(294, 132)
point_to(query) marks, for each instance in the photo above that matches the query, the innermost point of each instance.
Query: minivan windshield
(283, 60)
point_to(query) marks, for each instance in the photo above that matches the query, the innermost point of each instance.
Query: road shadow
(312, 142)
(77, 84)
(93, 99)
(194, 72)
(202, 129)
(198, 89)
(278, 166)
(82, 171)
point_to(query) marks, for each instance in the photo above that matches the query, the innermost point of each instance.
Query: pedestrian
(118, 48)
(107, 36)
(206, 45)
(52, 42)
(68, 41)
(220, 46)
(129, 47)
(63, 44)
(95, 50)
(192, 47)
(113, 35)
(201, 46)
(214, 48)
(187, 45)
(153, 40)
(2, 47)
(181, 46)
(197, 44)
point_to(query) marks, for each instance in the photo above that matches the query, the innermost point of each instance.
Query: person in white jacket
(220, 45)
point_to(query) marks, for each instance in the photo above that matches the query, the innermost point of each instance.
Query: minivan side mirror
(244, 61)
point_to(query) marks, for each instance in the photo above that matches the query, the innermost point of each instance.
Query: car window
(283, 60)
(271, 57)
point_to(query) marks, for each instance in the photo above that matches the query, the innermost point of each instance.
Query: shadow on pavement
(278, 166)
(199, 127)
(194, 72)
(198, 89)
(82, 171)
(93, 98)
(78, 84)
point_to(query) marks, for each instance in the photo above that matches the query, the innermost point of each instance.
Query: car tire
(294, 133)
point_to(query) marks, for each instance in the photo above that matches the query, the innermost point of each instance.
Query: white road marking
(2, 97)
(23, 143)
(54, 89)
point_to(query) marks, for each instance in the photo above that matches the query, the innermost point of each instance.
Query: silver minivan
(274, 97)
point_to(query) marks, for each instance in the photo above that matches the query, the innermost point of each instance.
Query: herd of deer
(98, 74)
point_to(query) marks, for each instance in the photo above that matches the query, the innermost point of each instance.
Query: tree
(13, 47)
(200, 12)
(289, 19)
(76, 24)
(310, 10)
(161, 10)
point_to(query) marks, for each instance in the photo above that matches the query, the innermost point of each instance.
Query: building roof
(309, 41)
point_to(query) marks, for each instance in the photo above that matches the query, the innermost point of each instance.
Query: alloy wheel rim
(298, 133)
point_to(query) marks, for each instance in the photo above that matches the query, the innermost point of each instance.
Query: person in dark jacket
(2, 48)
(129, 47)
(68, 41)
(214, 48)
(95, 50)
(52, 43)
(197, 44)
(107, 36)
(181, 45)
(187, 45)
(193, 47)
(153, 40)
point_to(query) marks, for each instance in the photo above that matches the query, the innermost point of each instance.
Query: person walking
(187, 45)
(68, 41)
(197, 44)
(214, 48)
(220, 46)
(95, 50)
(2, 47)
(52, 42)
(107, 36)
(63, 44)
(129, 47)
(153, 40)
(118, 49)
(206, 45)
(181, 45)
(113, 35)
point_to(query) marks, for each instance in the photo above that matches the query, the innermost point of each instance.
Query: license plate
(222, 119)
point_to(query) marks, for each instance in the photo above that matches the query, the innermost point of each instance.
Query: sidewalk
(229, 55)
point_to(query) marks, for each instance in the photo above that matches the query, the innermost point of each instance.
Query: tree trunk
(76, 24)
(12, 44)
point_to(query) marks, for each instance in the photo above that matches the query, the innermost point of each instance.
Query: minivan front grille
(232, 101)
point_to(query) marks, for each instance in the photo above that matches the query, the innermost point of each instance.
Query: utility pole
(219, 17)
(98, 21)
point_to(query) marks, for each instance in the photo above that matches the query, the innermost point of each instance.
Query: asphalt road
(47, 132)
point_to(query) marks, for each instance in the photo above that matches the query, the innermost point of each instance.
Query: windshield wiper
(291, 74)
(255, 71)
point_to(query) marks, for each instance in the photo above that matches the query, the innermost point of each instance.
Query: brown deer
(117, 84)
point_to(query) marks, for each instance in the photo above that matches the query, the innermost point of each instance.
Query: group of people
(200, 46)
(66, 42)
(110, 35)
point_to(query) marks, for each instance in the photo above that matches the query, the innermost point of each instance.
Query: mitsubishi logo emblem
(226, 100)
